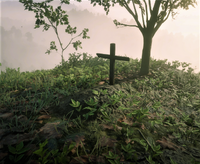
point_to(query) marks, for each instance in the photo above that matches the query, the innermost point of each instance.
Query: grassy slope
(168, 83)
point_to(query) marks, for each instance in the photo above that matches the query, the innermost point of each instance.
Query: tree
(148, 30)
(53, 17)
(152, 24)
(29, 37)
(18, 34)
(12, 31)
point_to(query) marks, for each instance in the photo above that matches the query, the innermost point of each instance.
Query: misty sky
(175, 40)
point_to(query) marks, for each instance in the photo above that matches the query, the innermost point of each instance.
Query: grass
(163, 114)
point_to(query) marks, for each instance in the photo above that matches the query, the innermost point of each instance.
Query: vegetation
(148, 31)
(153, 21)
(160, 123)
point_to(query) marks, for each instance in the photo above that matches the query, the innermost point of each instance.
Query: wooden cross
(112, 58)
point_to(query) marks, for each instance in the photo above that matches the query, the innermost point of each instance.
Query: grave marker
(112, 58)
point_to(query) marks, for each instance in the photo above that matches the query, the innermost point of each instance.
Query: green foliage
(88, 72)
(60, 157)
(76, 75)
(18, 150)
(53, 17)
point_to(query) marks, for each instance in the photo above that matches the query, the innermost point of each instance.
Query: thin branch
(127, 8)
(135, 8)
(142, 14)
(134, 15)
(146, 11)
(150, 6)
(162, 21)
(128, 25)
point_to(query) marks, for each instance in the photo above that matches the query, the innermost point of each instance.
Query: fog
(23, 46)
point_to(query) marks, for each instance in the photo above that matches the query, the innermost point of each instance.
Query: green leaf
(57, 22)
(65, 1)
(45, 158)
(19, 157)
(37, 22)
(51, 8)
(47, 13)
(20, 146)
(24, 150)
(37, 16)
(12, 149)
(67, 150)
(41, 16)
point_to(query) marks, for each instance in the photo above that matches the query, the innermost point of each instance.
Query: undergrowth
(133, 127)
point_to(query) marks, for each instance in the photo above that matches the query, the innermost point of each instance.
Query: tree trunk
(146, 52)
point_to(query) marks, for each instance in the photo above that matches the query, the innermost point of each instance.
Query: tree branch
(150, 6)
(142, 15)
(135, 9)
(146, 12)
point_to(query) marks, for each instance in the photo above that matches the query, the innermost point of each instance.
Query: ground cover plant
(70, 114)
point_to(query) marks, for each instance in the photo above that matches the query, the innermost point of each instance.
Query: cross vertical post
(112, 58)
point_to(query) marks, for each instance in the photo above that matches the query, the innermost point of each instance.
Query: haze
(175, 40)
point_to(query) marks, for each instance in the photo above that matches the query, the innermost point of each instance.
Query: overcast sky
(186, 24)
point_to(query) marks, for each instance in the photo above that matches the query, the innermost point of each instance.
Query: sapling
(53, 17)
